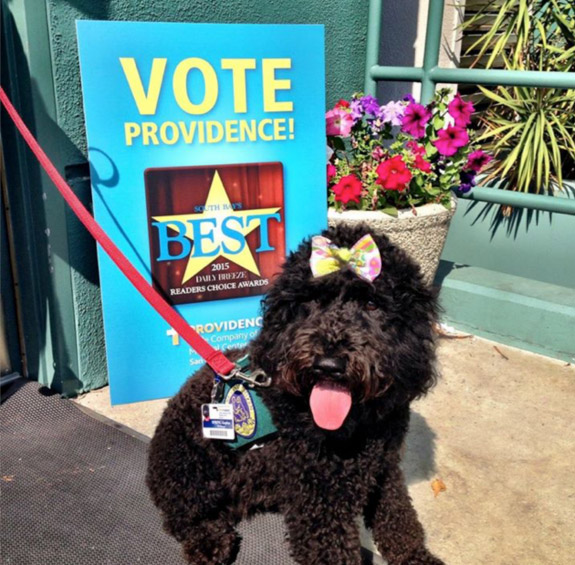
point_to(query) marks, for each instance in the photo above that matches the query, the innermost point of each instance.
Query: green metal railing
(430, 74)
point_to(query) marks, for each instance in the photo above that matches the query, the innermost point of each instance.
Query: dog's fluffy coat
(381, 335)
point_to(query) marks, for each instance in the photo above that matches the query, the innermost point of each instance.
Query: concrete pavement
(498, 430)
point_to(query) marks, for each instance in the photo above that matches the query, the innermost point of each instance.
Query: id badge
(218, 421)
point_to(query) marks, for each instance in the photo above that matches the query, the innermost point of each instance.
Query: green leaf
(555, 153)
(500, 99)
(438, 122)
(338, 143)
(510, 161)
(546, 165)
(505, 93)
(525, 165)
(539, 148)
(390, 211)
(567, 54)
(431, 150)
(500, 44)
(486, 40)
(542, 32)
(566, 136)
(514, 129)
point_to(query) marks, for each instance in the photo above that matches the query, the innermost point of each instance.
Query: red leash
(214, 358)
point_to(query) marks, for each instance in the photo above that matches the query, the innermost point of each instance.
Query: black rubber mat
(73, 492)
(73, 488)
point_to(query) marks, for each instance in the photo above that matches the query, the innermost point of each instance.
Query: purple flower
(409, 98)
(467, 177)
(450, 140)
(467, 180)
(356, 110)
(477, 160)
(463, 188)
(370, 104)
(415, 119)
(392, 112)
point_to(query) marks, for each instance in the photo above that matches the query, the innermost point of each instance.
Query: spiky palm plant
(528, 130)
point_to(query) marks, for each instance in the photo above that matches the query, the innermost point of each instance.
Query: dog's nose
(329, 365)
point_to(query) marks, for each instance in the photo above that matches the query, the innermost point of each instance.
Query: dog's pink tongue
(330, 404)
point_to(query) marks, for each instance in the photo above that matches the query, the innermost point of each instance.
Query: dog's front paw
(422, 557)
(214, 543)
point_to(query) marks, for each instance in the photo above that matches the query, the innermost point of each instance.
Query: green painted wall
(531, 244)
(57, 260)
(511, 280)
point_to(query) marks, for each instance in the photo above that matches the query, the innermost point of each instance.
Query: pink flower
(331, 172)
(415, 119)
(450, 140)
(419, 153)
(421, 164)
(393, 174)
(477, 160)
(338, 122)
(460, 111)
(415, 148)
(348, 189)
(377, 153)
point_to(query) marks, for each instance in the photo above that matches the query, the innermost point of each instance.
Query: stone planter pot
(422, 235)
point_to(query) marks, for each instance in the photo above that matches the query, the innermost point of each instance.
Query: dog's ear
(281, 303)
(412, 313)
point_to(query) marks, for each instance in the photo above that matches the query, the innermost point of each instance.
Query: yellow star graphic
(218, 207)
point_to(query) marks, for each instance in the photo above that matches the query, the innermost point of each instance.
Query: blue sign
(207, 152)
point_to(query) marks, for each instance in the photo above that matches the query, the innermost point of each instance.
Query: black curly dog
(373, 340)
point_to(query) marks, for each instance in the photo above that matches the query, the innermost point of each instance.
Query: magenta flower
(415, 119)
(477, 160)
(450, 140)
(331, 172)
(338, 122)
(460, 111)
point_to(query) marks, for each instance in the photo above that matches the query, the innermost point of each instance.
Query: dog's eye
(370, 305)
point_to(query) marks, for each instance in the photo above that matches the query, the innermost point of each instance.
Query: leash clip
(253, 378)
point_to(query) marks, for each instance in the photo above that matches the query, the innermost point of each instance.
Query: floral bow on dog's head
(363, 258)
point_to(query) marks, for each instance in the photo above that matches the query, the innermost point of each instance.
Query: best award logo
(215, 231)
